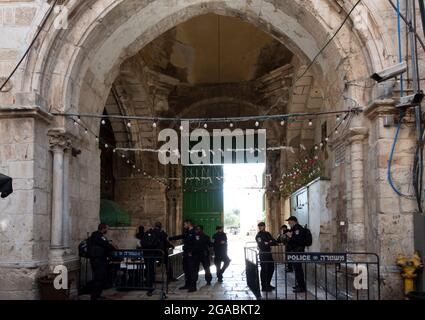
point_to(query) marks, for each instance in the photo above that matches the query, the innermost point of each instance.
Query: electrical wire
(30, 46)
(328, 42)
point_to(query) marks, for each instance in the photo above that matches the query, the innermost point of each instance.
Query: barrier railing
(327, 276)
(130, 270)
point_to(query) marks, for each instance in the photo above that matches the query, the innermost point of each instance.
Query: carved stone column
(357, 221)
(59, 143)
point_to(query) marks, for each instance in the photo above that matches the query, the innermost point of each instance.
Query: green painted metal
(203, 196)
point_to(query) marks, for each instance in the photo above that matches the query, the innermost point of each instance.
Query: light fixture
(181, 127)
(336, 130)
(205, 125)
(129, 124)
(128, 161)
(310, 123)
(103, 122)
(231, 125)
(282, 123)
(257, 124)
(154, 124)
(97, 139)
(86, 131)
(106, 146)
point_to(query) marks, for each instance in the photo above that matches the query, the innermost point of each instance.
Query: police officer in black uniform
(297, 240)
(99, 248)
(219, 240)
(265, 241)
(201, 255)
(187, 237)
(284, 239)
(164, 245)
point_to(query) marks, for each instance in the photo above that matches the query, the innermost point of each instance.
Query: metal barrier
(328, 276)
(130, 270)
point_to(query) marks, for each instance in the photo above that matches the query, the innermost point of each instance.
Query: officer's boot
(192, 288)
(220, 276)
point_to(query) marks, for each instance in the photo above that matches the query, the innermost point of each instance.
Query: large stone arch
(101, 35)
(73, 70)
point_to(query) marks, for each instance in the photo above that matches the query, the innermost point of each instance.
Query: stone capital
(59, 140)
(380, 108)
(357, 135)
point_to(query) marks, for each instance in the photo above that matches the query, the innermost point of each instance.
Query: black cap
(219, 227)
(261, 224)
(292, 218)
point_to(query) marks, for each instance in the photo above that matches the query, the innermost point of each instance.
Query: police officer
(99, 248)
(297, 240)
(219, 240)
(187, 237)
(284, 239)
(265, 241)
(164, 245)
(201, 255)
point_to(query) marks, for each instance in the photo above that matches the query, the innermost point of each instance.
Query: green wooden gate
(203, 196)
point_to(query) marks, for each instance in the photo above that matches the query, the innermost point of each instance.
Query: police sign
(316, 257)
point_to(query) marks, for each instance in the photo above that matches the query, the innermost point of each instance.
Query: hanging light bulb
(257, 124)
(321, 144)
(181, 127)
(129, 124)
(97, 139)
(326, 139)
(154, 124)
(103, 122)
(86, 131)
(336, 131)
(282, 123)
(338, 118)
(75, 123)
(106, 146)
(114, 151)
(78, 119)
(316, 147)
(205, 125)
(123, 156)
(134, 166)
(310, 123)
(231, 125)
(138, 170)
(128, 161)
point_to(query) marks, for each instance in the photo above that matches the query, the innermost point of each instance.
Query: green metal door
(203, 196)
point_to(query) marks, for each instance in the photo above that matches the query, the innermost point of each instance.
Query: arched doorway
(74, 69)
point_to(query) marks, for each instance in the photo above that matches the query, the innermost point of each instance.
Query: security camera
(390, 72)
(411, 101)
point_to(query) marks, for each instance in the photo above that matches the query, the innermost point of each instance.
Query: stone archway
(73, 70)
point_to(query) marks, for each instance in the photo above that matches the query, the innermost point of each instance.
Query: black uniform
(99, 249)
(165, 245)
(201, 255)
(153, 254)
(284, 239)
(297, 244)
(188, 264)
(265, 241)
(219, 240)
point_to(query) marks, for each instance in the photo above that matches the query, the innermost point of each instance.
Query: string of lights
(230, 120)
(341, 118)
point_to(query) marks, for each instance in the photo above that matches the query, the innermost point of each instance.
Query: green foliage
(232, 219)
(301, 174)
